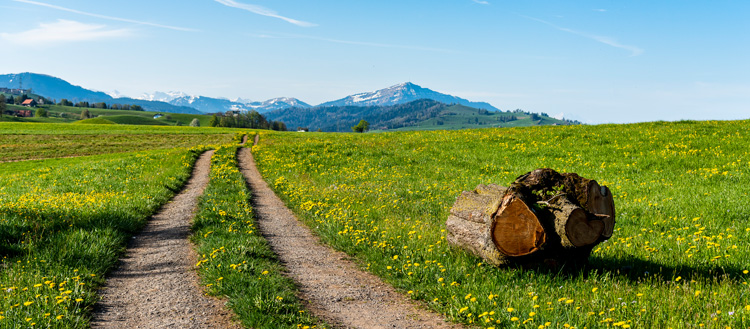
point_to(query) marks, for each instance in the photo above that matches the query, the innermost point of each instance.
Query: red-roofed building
(29, 103)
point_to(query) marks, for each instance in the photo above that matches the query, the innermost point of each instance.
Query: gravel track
(156, 285)
(332, 287)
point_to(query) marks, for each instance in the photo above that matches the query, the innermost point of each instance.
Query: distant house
(25, 113)
(156, 116)
(29, 103)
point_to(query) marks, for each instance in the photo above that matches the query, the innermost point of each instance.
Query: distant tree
(278, 126)
(41, 112)
(65, 102)
(10, 100)
(195, 123)
(214, 122)
(20, 99)
(361, 127)
(136, 108)
(2, 105)
(85, 114)
(100, 105)
(535, 117)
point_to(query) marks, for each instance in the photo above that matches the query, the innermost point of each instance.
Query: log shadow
(638, 270)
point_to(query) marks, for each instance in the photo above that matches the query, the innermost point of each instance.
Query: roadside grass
(235, 261)
(65, 222)
(678, 258)
(23, 141)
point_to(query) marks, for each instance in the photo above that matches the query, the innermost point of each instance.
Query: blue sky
(594, 61)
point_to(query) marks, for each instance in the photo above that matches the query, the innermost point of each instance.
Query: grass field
(678, 258)
(20, 141)
(65, 222)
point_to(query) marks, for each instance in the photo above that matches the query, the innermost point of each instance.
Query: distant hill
(423, 114)
(51, 87)
(401, 94)
(55, 88)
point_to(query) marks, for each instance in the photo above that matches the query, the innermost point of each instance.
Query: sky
(592, 61)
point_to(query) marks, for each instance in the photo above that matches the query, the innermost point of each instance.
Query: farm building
(29, 103)
(24, 113)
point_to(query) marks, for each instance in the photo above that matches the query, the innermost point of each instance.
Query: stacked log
(542, 217)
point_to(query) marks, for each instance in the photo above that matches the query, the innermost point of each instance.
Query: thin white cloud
(481, 2)
(104, 16)
(350, 42)
(260, 10)
(600, 10)
(63, 31)
(634, 51)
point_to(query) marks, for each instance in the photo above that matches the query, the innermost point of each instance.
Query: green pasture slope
(68, 114)
(679, 257)
(463, 117)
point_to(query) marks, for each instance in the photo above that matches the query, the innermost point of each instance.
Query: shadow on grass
(637, 270)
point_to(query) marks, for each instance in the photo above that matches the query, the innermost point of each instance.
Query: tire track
(156, 285)
(332, 287)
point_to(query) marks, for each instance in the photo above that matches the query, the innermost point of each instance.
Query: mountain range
(401, 94)
(179, 102)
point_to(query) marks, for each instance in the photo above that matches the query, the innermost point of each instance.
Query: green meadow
(678, 258)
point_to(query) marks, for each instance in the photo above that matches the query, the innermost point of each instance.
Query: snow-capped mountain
(278, 103)
(213, 105)
(162, 96)
(403, 93)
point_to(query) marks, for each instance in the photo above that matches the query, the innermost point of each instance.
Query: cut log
(574, 226)
(543, 217)
(516, 231)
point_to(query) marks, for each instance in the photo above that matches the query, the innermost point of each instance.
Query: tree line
(250, 119)
(101, 105)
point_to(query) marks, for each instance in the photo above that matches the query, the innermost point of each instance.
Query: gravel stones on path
(156, 285)
(332, 287)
